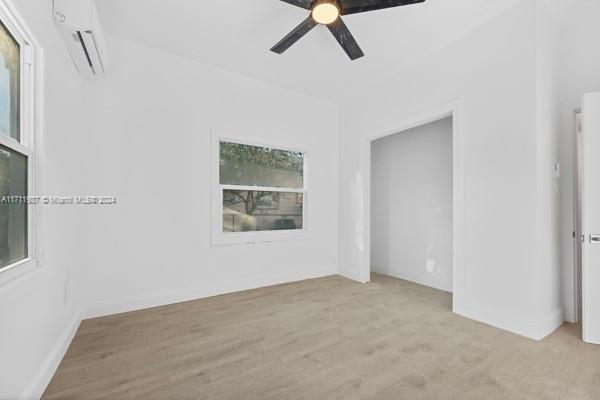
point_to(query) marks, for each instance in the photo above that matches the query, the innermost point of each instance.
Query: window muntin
(262, 189)
(10, 82)
(13, 213)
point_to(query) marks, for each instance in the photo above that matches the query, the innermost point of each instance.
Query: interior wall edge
(351, 274)
(38, 384)
(135, 303)
(523, 325)
(220, 68)
(551, 322)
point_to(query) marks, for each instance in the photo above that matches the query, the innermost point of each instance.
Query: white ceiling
(237, 35)
(565, 11)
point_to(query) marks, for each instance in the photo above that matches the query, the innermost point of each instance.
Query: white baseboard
(39, 383)
(117, 306)
(550, 323)
(353, 275)
(416, 279)
(532, 328)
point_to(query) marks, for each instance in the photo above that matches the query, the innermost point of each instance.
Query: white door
(591, 218)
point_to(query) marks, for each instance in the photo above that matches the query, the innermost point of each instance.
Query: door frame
(577, 226)
(403, 124)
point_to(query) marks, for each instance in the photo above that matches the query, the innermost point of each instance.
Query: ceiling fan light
(325, 13)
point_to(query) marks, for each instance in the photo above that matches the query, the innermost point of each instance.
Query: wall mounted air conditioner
(78, 23)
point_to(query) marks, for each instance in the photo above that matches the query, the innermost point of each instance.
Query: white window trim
(219, 238)
(27, 144)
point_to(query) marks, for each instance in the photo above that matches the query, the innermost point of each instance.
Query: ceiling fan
(329, 12)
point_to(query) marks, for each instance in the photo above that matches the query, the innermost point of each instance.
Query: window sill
(224, 239)
(17, 270)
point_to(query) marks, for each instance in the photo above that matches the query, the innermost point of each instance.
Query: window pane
(13, 213)
(241, 164)
(245, 211)
(10, 61)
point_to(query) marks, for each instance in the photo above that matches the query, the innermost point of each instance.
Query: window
(16, 144)
(13, 214)
(261, 193)
(10, 92)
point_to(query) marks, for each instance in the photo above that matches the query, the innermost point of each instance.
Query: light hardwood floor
(327, 338)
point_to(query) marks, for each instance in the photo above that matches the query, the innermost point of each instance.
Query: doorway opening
(411, 205)
(445, 114)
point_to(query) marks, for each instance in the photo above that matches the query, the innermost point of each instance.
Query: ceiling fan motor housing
(334, 2)
(329, 12)
(326, 11)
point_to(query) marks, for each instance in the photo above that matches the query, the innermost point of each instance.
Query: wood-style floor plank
(327, 338)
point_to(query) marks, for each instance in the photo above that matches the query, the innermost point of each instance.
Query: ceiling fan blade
(306, 4)
(360, 6)
(345, 39)
(294, 35)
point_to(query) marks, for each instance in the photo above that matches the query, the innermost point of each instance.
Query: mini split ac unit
(78, 23)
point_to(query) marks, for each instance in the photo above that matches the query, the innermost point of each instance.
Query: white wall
(38, 311)
(149, 139)
(491, 72)
(142, 134)
(579, 73)
(549, 283)
(411, 205)
(153, 114)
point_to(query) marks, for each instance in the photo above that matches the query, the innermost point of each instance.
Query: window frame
(26, 144)
(219, 237)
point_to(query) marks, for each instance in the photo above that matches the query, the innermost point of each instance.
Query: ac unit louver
(78, 23)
